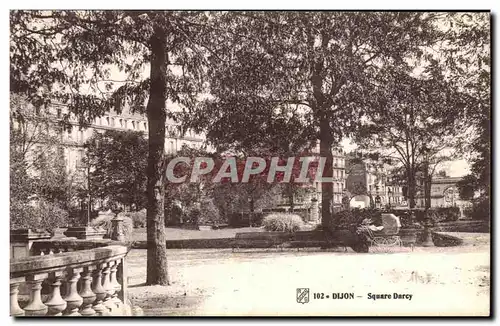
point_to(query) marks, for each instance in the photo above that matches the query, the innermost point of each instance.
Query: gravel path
(442, 281)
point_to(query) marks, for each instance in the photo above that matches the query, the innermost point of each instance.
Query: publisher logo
(302, 295)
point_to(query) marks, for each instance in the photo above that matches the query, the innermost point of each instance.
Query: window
(58, 113)
(112, 122)
(145, 126)
(133, 125)
(107, 121)
(121, 123)
(79, 159)
(81, 136)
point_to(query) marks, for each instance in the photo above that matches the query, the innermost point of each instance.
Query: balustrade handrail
(39, 264)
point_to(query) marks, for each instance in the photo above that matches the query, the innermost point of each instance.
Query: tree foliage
(421, 120)
(325, 69)
(117, 162)
(73, 57)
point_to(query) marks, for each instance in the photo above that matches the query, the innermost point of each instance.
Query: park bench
(260, 240)
(281, 240)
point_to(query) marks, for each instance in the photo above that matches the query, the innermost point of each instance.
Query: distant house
(444, 193)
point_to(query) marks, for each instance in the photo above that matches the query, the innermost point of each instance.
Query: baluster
(73, 299)
(108, 287)
(56, 303)
(15, 310)
(99, 291)
(122, 276)
(35, 305)
(116, 286)
(86, 292)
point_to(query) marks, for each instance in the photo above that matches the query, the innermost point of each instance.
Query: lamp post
(389, 193)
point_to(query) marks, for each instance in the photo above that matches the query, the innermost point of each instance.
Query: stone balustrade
(89, 282)
(55, 246)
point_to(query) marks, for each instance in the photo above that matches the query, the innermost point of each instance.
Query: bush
(282, 222)
(443, 214)
(104, 221)
(374, 215)
(347, 219)
(449, 214)
(43, 215)
(208, 213)
(138, 218)
(481, 209)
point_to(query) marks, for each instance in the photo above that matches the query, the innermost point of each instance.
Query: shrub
(282, 222)
(353, 218)
(449, 214)
(104, 221)
(138, 218)
(443, 214)
(208, 213)
(43, 215)
(374, 215)
(481, 209)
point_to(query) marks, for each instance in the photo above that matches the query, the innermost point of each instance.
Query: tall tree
(422, 119)
(323, 65)
(473, 75)
(76, 57)
(415, 124)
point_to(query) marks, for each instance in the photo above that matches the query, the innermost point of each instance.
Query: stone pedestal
(117, 224)
(21, 241)
(85, 232)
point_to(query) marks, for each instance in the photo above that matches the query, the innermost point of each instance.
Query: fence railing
(89, 282)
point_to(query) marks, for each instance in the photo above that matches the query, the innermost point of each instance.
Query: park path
(442, 281)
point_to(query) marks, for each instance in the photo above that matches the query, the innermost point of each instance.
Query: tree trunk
(157, 272)
(411, 188)
(325, 150)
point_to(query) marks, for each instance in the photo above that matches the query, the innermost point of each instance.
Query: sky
(457, 168)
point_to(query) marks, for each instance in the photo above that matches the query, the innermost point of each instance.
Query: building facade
(444, 193)
(310, 200)
(69, 143)
(74, 138)
(370, 185)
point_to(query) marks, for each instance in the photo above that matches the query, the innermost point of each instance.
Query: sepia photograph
(250, 163)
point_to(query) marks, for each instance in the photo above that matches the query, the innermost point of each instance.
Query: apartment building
(46, 135)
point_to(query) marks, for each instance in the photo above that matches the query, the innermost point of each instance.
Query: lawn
(185, 234)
